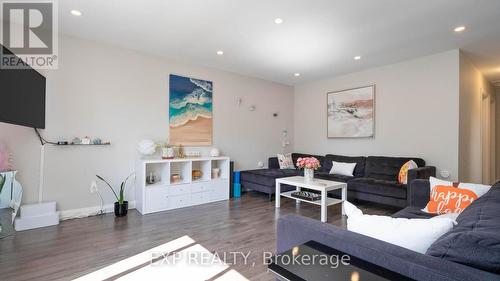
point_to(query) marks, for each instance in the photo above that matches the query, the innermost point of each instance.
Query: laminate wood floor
(80, 246)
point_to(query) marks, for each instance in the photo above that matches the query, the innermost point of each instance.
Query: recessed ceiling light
(76, 13)
(220, 53)
(357, 57)
(278, 20)
(459, 28)
(296, 74)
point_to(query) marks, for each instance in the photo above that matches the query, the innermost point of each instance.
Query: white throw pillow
(413, 234)
(478, 189)
(452, 216)
(285, 161)
(344, 169)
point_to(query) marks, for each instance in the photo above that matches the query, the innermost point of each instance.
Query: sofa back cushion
(360, 161)
(387, 168)
(475, 241)
(273, 163)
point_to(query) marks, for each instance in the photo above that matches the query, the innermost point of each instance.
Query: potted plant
(309, 164)
(121, 206)
(167, 151)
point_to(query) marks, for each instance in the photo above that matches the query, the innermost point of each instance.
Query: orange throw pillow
(449, 199)
(403, 172)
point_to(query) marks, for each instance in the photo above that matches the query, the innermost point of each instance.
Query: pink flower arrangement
(308, 163)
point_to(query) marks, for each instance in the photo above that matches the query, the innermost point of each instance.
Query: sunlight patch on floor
(179, 259)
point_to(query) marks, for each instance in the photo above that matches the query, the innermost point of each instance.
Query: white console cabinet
(166, 194)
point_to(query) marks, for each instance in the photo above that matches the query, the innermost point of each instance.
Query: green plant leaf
(120, 197)
(122, 187)
(116, 196)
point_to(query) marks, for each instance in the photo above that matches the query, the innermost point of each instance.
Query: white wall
(122, 96)
(474, 152)
(497, 134)
(416, 112)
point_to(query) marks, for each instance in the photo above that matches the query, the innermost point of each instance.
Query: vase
(121, 210)
(167, 153)
(309, 174)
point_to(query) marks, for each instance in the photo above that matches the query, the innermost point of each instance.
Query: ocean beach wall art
(351, 113)
(190, 111)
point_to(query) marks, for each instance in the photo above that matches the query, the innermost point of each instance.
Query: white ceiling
(318, 38)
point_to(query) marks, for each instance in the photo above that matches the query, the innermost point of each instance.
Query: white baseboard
(89, 211)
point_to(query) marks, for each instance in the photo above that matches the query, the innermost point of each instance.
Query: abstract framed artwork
(351, 113)
(190, 111)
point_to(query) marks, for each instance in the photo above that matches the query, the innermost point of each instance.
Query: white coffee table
(317, 184)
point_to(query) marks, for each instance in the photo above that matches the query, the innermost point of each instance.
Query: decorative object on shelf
(306, 195)
(215, 173)
(121, 206)
(5, 158)
(180, 152)
(190, 111)
(214, 152)
(86, 140)
(151, 178)
(146, 147)
(76, 140)
(351, 113)
(167, 151)
(96, 141)
(175, 178)
(193, 154)
(197, 174)
(309, 164)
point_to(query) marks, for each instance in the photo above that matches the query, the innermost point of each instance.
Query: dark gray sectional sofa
(470, 251)
(374, 180)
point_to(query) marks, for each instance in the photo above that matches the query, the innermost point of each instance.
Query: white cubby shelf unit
(166, 194)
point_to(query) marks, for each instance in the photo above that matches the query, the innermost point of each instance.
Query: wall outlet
(445, 174)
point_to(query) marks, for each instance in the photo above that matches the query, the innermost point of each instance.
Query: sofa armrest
(273, 163)
(293, 230)
(419, 193)
(421, 173)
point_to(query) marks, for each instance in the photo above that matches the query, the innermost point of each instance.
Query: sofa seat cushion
(475, 241)
(267, 176)
(412, 213)
(332, 177)
(379, 187)
(387, 168)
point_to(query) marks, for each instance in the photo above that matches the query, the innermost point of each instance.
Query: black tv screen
(22, 96)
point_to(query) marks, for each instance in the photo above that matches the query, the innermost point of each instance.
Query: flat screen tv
(22, 96)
